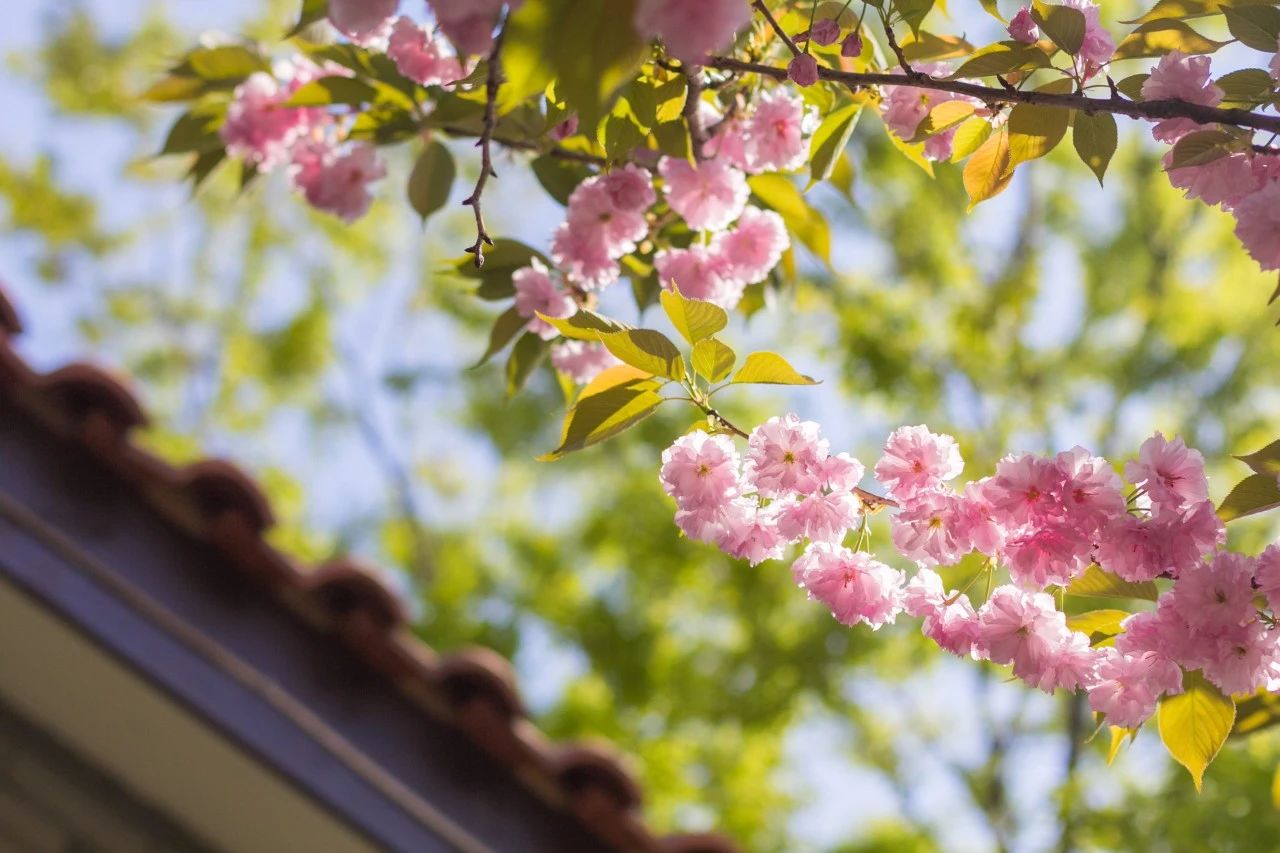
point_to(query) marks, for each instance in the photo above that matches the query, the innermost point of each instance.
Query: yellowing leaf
(646, 349)
(1118, 735)
(943, 117)
(969, 137)
(1275, 788)
(769, 368)
(1254, 494)
(1002, 58)
(712, 360)
(1156, 38)
(1195, 724)
(1094, 137)
(602, 415)
(1099, 583)
(693, 318)
(987, 172)
(1034, 131)
(1098, 625)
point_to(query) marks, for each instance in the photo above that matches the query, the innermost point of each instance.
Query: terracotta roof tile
(215, 501)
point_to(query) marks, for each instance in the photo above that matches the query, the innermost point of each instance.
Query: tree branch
(1151, 110)
(692, 98)
(773, 22)
(492, 83)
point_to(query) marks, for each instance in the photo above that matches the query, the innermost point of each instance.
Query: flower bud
(825, 31)
(803, 70)
(1023, 27)
(852, 45)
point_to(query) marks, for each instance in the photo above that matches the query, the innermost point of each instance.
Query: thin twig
(1151, 110)
(527, 145)
(692, 99)
(897, 50)
(782, 34)
(492, 83)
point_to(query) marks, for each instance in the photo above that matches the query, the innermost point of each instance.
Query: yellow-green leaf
(987, 172)
(431, 179)
(934, 47)
(583, 326)
(1099, 583)
(1002, 58)
(506, 327)
(769, 368)
(692, 318)
(1062, 24)
(969, 138)
(1094, 137)
(1264, 461)
(713, 360)
(646, 349)
(943, 117)
(1255, 26)
(829, 141)
(333, 90)
(1246, 87)
(1118, 735)
(1034, 131)
(1254, 494)
(1275, 788)
(526, 355)
(1195, 723)
(606, 411)
(1200, 147)
(1098, 625)
(1156, 38)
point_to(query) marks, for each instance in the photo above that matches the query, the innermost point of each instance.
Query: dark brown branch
(773, 22)
(1151, 110)
(897, 51)
(492, 82)
(692, 99)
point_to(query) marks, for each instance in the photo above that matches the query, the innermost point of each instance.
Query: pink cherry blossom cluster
(905, 107)
(307, 141)
(1242, 182)
(1045, 520)
(467, 24)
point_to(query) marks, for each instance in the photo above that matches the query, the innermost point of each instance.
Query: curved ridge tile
(699, 842)
(354, 595)
(220, 487)
(86, 391)
(481, 674)
(585, 768)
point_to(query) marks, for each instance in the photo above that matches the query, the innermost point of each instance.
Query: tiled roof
(215, 502)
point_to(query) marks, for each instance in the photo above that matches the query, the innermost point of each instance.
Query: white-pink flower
(818, 517)
(691, 30)
(360, 19)
(1123, 691)
(1258, 225)
(1267, 574)
(699, 272)
(259, 128)
(1022, 27)
(630, 188)
(916, 460)
(701, 471)
(1218, 594)
(1020, 628)
(1098, 47)
(581, 255)
(338, 183)
(708, 196)
(856, 587)
(750, 532)
(1171, 473)
(1047, 554)
(785, 456)
(538, 293)
(753, 247)
(469, 24)
(1183, 78)
(420, 57)
(928, 529)
(776, 132)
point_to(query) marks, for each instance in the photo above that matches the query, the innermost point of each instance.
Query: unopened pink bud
(852, 45)
(825, 31)
(803, 70)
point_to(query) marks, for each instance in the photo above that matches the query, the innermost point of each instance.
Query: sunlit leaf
(1118, 736)
(769, 368)
(646, 349)
(987, 172)
(526, 355)
(969, 138)
(1257, 27)
(606, 411)
(584, 325)
(829, 141)
(1034, 131)
(1264, 461)
(1094, 137)
(506, 327)
(694, 319)
(1156, 38)
(1098, 625)
(1062, 24)
(1096, 582)
(713, 360)
(333, 90)
(1195, 723)
(1002, 58)
(1254, 494)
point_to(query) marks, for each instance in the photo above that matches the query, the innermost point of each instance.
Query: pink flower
(360, 19)
(338, 183)
(825, 31)
(1274, 66)
(690, 31)
(1123, 692)
(841, 473)
(954, 626)
(1072, 665)
(750, 533)
(851, 47)
(701, 471)
(1051, 554)
(927, 530)
(753, 247)
(582, 361)
(785, 456)
(776, 131)
(904, 107)
(1190, 535)
(1160, 638)
(537, 293)
(1171, 473)
(708, 196)
(728, 142)
(1020, 628)
(1182, 78)
(1133, 549)
(1237, 659)
(420, 57)
(976, 522)
(856, 587)
(820, 518)
(1218, 595)
(593, 213)
(259, 128)
(581, 255)
(1226, 181)
(1091, 489)
(916, 460)
(565, 129)
(468, 23)
(1024, 488)
(630, 188)
(1268, 576)
(700, 273)
(1258, 225)
(803, 70)
(1098, 47)
(1022, 27)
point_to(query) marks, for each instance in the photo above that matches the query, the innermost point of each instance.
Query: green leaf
(506, 327)
(649, 350)
(500, 261)
(693, 318)
(803, 220)
(987, 172)
(1259, 711)
(1002, 58)
(1192, 8)
(193, 131)
(1200, 147)
(1099, 583)
(1252, 495)
(584, 326)
(1062, 24)
(713, 360)
(969, 138)
(1257, 27)
(1156, 38)
(829, 141)
(769, 368)
(1246, 87)
(1094, 137)
(174, 87)
(226, 63)
(913, 12)
(312, 11)
(1034, 131)
(431, 179)
(333, 90)
(1131, 86)
(526, 355)
(1264, 461)
(927, 46)
(558, 176)
(1195, 723)
(1098, 625)
(616, 399)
